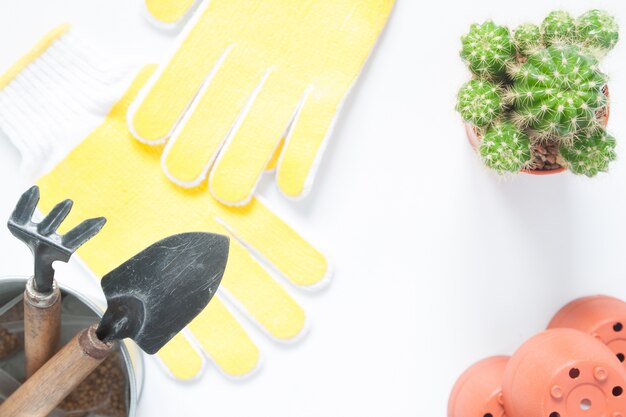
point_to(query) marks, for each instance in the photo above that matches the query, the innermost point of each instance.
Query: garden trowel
(42, 297)
(150, 298)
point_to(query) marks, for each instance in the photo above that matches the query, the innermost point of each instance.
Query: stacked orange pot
(573, 369)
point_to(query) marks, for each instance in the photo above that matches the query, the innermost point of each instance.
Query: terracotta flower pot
(600, 316)
(474, 137)
(478, 392)
(564, 373)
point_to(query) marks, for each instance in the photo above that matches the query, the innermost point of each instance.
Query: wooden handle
(42, 326)
(58, 377)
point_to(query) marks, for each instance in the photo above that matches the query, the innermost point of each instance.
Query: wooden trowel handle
(55, 380)
(42, 326)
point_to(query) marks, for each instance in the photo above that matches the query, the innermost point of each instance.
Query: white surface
(438, 262)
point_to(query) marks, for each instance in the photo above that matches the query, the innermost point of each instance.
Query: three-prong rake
(42, 297)
(46, 245)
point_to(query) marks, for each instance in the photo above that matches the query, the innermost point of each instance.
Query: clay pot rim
(474, 139)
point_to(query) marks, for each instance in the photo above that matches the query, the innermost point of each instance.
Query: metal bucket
(13, 286)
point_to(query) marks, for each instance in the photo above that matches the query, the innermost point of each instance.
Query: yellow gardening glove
(111, 174)
(168, 12)
(246, 74)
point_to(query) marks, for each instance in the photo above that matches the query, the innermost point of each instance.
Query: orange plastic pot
(478, 391)
(474, 138)
(564, 373)
(600, 316)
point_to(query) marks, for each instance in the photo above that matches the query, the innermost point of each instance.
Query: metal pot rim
(134, 364)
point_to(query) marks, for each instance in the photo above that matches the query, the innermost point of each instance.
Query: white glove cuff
(54, 96)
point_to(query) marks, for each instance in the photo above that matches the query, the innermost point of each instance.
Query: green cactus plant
(558, 26)
(537, 97)
(557, 92)
(527, 38)
(488, 49)
(598, 31)
(480, 102)
(590, 152)
(505, 148)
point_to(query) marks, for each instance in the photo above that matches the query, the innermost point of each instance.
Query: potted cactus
(538, 101)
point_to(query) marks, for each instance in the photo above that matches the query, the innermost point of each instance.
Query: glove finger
(109, 174)
(221, 336)
(306, 142)
(247, 153)
(267, 235)
(253, 290)
(273, 163)
(162, 101)
(180, 358)
(199, 136)
(168, 11)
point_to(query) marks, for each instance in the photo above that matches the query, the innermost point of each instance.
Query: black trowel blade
(156, 293)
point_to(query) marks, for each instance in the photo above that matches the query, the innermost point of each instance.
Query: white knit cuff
(61, 94)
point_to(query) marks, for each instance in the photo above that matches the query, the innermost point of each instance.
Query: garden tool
(254, 82)
(42, 297)
(150, 298)
(109, 173)
(8, 385)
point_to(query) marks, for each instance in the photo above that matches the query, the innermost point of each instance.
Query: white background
(438, 262)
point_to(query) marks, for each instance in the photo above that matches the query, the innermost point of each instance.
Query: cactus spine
(557, 92)
(598, 31)
(527, 38)
(590, 152)
(488, 49)
(480, 102)
(537, 96)
(505, 148)
(558, 27)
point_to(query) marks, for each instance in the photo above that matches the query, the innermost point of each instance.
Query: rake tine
(82, 233)
(42, 297)
(25, 206)
(54, 219)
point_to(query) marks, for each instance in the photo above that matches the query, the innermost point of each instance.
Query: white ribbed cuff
(57, 99)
